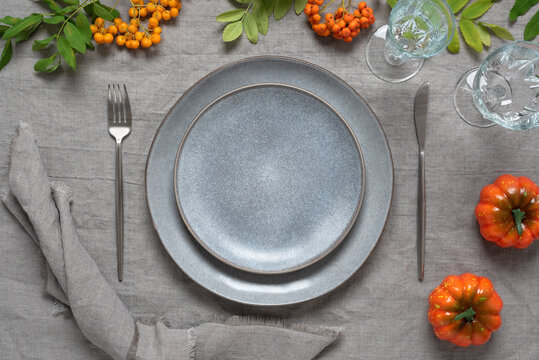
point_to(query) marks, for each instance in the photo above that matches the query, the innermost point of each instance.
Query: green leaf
(83, 25)
(232, 15)
(71, 2)
(281, 8)
(299, 6)
(476, 9)
(42, 44)
(454, 45)
(9, 20)
(6, 54)
(243, 1)
(471, 34)
(52, 5)
(22, 25)
(532, 28)
(261, 17)
(499, 31)
(484, 34)
(456, 5)
(520, 8)
(101, 12)
(3, 29)
(90, 46)
(232, 31)
(392, 2)
(67, 10)
(251, 30)
(54, 20)
(48, 64)
(25, 34)
(269, 5)
(75, 38)
(114, 12)
(67, 52)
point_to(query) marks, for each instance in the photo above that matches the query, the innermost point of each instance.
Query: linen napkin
(72, 277)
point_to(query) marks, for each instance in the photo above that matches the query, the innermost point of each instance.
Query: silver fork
(119, 124)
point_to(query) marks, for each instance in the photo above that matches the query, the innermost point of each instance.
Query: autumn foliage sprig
(253, 17)
(521, 7)
(68, 19)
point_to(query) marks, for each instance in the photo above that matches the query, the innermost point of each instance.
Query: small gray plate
(269, 178)
(270, 289)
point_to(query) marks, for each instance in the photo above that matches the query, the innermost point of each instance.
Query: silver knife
(420, 115)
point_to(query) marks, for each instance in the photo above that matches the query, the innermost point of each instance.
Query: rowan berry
(158, 15)
(371, 19)
(153, 22)
(341, 23)
(156, 38)
(348, 17)
(122, 28)
(336, 28)
(364, 22)
(347, 38)
(365, 12)
(120, 40)
(160, 8)
(135, 44)
(113, 29)
(135, 22)
(173, 4)
(99, 22)
(346, 32)
(146, 43)
(108, 38)
(118, 21)
(133, 12)
(164, 3)
(354, 33)
(362, 5)
(314, 9)
(143, 12)
(307, 9)
(166, 15)
(156, 30)
(174, 12)
(357, 13)
(93, 28)
(139, 35)
(132, 28)
(151, 8)
(99, 38)
(317, 18)
(329, 17)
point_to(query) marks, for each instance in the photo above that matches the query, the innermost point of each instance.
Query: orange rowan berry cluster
(342, 24)
(134, 35)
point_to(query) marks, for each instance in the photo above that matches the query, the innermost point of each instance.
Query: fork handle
(119, 211)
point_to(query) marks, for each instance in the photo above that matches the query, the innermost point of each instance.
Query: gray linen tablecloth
(383, 307)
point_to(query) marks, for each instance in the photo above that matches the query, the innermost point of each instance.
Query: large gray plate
(269, 178)
(312, 281)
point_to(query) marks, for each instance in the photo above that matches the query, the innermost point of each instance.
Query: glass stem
(393, 55)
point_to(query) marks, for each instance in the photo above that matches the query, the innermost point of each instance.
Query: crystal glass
(504, 90)
(417, 29)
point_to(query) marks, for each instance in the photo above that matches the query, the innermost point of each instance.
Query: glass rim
(449, 38)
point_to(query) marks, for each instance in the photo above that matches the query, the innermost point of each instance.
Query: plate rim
(351, 220)
(318, 68)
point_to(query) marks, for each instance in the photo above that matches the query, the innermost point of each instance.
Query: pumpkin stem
(518, 215)
(469, 315)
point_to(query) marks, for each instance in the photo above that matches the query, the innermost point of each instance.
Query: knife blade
(420, 117)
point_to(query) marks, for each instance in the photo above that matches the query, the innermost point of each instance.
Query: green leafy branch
(73, 36)
(520, 8)
(253, 17)
(476, 34)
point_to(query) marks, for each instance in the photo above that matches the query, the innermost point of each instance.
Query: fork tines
(119, 109)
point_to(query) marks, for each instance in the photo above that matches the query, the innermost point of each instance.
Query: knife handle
(421, 218)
